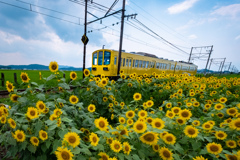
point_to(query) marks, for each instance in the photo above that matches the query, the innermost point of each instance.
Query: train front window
(107, 56)
(100, 57)
(95, 58)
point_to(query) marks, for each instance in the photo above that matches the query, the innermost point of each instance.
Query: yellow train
(105, 61)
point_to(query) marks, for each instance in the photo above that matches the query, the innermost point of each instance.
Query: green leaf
(49, 122)
(76, 150)
(196, 144)
(81, 157)
(41, 96)
(61, 133)
(22, 100)
(38, 126)
(203, 151)
(50, 77)
(48, 143)
(178, 148)
(76, 130)
(64, 85)
(65, 119)
(209, 139)
(184, 140)
(86, 151)
(12, 141)
(32, 148)
(43, 147)
(176, 157)
(56, 144)
(60, 100)
(52, 127)
(34, 83)
(227, 152)
(135, 157)
(23, 146)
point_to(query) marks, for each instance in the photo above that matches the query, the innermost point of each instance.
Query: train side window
(144, 62)
(130, 63)
(147, 64)
(136, 64)
(107, 56)
(140, 64)
(100, 57)
(126, 62)
(157, 65)
(154, 64)
(115, 60)
(123, 62)
(95, 58)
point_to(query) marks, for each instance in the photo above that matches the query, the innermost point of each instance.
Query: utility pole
(121, 38)
(229, 66)
(85, 33)
(222, 66)
(190, 55)
(210, 64)
(208, 59)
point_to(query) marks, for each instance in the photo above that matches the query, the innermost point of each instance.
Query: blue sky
(28, 37)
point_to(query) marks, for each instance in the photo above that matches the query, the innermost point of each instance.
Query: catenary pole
(85, 33)
(208, 59)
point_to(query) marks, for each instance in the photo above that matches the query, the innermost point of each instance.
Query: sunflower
(186, 114)
(40, 106)
(232, 111)
(196, 104)
(32, 113)
(24, 77)
(105, 99)
(200, 158)
(189, 104)
(232, 157)
(53, 66)
(123, 76)
(207, 126)
(169, 138)
(122, 120)
(126, 148)
(116, 146)
(149, 103)
(43, 135)
(72, 138)
(73, 75)
(19, 135)
(158, 123)
(103, 156)
(109, 140)
(94, 139)
(137, 96)
(207, 106)
(149, 120)
(122, 104)
(129, 122)
(214, 148)
(57, 112)
(231, 144)
(110, 105)
(12, 123)
(53, 117)
(73, 99)
(222, 100)
(63, 154)
(181, 121)
(191, 131)
(219, 106)
(9, 86)
(176, 110)
(14, 97)
(101, 123)
(170, 114)
(196, 123)
(104, 82)
(150, 138)
(139, 126)
(142, 114)
(155, 147)
(130, 114)
(220, 115)
(220, 135)
(91, 108)
(235, 124)
(169, 105)
(165, 154)
(3, 119)
(34, 141)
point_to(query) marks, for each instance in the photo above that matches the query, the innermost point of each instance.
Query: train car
(105, 61)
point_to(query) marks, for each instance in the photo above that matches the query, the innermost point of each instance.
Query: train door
(128, 65)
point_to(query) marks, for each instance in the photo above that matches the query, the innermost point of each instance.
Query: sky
(41, 31)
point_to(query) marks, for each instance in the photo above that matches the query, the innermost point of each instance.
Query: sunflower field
(145, 117)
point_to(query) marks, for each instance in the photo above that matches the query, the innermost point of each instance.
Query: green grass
(228, 76)
(33, 75)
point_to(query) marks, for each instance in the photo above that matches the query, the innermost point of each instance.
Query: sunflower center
(185, 114)
(91, 108)
(32, 113)
(104, 157)
(139, 127)
(103, 82)
(191, 131)
(116, 146)
(180, 121)
(65, 155)
(170, 114)
(54, 67)
(72, 139)
(232, 111)
(130, 114)
(35, 140)
(207, 126)
(44, 135)
(142, 114)
(74, 99)
(109, 141)
(137, 96)
(231, 144)
(156, 147)
(232, 157)
(149, 137)
(123, 132)
(19, 136)
(214, 148)
(24, 77)
(73, 75)
(166, 154)
(9, 86)
(175, 110)
(149, 120)
(237, 124)
(86, 72)
(94, 139)
(126, 148)
(13, 123)
(15, 98)
(158, 124)
(101, 124)
(41, 106)
(169, 139)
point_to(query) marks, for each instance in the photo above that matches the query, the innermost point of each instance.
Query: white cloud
(193, 36)
(180, 7)
(191, 23)
(231, 10)
(237, 38)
